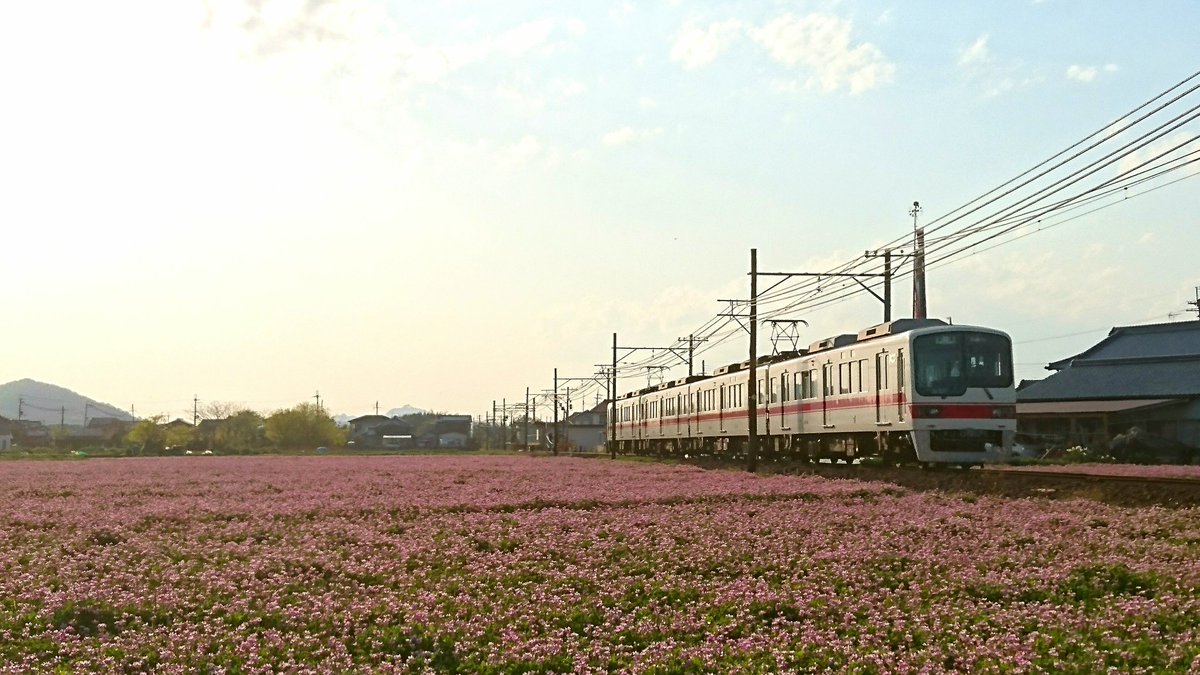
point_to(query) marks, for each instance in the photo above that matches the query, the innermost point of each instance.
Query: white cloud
(975, 54)
(627, 135)
(821, 44)
(1146, 238)
(695, 46)
(573, 88)
(1088, 73)
(1082, 73)
(647, 103)
(619, 136)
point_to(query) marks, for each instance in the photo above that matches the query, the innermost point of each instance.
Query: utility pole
(132, 417)
(526, 424)
(887, 254)
(377, 408)
(62, 420)
(555, 406)
(196, 410)
(692, 341)
(492, 426)
(504, 424)
(1196, 304)
(612, 415)
(752, 386)
(920, 302)
(85, 412)
(20, 408)
(318, 397)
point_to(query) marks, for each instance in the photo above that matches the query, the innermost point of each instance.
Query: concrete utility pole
(920, 302)
(612, 415)
(752, 386)
(555, 406)
(20, 408)
(318, 397)
(526, 423)
(196, 408)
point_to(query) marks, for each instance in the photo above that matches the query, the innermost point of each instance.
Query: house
(452, 431)
(31, 434)
(587, 431)
(6, 437)
(1138, 376)
(380, 431)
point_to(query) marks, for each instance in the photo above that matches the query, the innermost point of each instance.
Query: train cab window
(947, 364)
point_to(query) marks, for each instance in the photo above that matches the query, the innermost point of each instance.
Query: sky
(439, 203)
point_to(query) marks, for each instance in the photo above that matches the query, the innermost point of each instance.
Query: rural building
(588, 431)
(6, 437)
(452, 431)
(380, 431)
(1139, 376)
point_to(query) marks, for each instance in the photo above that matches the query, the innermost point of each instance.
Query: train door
(901, 385)
(721, 408)
(880, 386)
(826, 391)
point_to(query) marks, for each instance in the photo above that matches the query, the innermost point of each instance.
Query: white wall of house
(5, 441)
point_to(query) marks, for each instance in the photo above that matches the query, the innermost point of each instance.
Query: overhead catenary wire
(981, 228)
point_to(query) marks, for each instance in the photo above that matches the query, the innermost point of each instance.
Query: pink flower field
(516, 564)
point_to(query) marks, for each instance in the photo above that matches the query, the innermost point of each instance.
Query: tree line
(230, 428)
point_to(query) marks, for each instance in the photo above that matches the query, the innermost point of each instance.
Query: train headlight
(1004, 411)
(929, 411)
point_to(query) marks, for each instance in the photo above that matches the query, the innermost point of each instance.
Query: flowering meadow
(520, 564)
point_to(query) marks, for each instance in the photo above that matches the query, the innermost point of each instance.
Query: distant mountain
(49, 404)
(403, 410)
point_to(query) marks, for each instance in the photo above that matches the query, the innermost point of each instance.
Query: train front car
(963, 402)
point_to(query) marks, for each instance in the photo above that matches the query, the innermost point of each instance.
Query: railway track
(1124, 490)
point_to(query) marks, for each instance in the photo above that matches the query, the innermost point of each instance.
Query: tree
(149, 434)
(241, 431)
(304, 425)
(179, 436)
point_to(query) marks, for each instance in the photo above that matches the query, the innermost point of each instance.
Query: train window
(785, 392)
(862, 366)
(761, 398)
(881, 376)
(774, 390)
(844, 378)
(827, 379)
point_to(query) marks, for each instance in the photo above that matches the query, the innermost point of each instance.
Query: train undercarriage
(965, 446)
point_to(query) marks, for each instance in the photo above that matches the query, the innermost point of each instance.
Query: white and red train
(909, 390)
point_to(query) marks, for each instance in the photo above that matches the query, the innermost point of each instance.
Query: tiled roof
(1157, 340)
(1172, 379)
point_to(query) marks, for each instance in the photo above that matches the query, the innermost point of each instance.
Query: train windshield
(947, 364)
